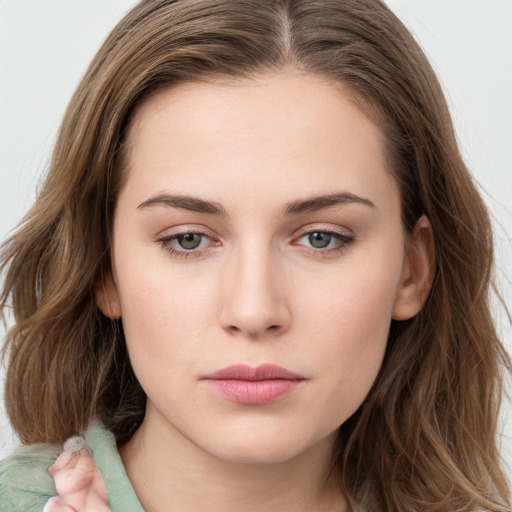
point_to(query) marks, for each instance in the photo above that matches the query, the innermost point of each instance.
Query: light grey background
(45, 46)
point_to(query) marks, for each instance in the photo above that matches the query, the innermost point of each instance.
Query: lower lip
(253, 392)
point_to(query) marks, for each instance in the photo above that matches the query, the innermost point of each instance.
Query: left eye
(189, 241)
(324, 240)
(184, 243)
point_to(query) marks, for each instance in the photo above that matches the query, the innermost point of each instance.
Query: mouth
(253, 386)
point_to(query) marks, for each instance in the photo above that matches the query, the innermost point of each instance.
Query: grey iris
(319, 240)
(189, 240)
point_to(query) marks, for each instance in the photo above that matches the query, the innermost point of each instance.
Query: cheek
(163, 318)
(354, 326)
(352, 318)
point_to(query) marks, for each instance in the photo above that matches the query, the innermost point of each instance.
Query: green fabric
(26, 485)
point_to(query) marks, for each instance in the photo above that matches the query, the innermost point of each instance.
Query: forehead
(294, 131)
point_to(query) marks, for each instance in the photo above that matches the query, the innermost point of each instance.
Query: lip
(248, 385)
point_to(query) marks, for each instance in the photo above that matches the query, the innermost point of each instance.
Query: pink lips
(253, 386)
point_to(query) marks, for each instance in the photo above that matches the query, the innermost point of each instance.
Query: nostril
(271, 329)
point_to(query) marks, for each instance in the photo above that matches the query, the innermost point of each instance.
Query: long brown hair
(425, 437)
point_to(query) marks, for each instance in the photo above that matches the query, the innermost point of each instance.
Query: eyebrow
(193, 204)
(298, 207)
(316, 203)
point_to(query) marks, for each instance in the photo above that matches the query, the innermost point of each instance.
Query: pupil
(189, 241)
(319, 240)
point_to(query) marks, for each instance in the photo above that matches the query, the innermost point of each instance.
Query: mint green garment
(26, 485)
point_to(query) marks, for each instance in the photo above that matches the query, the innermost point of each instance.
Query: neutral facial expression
(258, 225)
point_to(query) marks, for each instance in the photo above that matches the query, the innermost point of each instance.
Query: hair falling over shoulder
(425, 439)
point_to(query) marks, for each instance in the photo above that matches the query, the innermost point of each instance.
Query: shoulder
(25, 484)
(103, 446)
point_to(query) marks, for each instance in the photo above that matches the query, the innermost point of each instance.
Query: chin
(262, 447)
(257, 454)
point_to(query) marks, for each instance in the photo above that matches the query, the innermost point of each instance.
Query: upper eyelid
(322, 228)
(333, 233)
(342, 238)
(203, 230)
(180, 230)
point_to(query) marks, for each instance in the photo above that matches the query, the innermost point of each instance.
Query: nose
(254, 298)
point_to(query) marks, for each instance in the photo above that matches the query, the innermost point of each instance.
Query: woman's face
(258, 225)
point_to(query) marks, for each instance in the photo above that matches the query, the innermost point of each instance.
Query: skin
(78, 482)
(255, 290)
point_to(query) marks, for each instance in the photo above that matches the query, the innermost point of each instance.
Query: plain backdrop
(46, 45)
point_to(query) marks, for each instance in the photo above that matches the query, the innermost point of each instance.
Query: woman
(257, 276)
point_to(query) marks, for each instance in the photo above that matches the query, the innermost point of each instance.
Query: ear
(417, 272)
(107, 298)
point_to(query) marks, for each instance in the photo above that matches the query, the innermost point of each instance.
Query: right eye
(185, 244)
(190, 241)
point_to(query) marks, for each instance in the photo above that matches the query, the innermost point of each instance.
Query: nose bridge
(254, 298)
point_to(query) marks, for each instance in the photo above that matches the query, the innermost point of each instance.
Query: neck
(169, 472)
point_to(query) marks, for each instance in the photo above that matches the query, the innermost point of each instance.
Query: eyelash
(343, 241)
(166, 242)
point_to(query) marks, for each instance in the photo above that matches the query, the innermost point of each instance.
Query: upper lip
(249, 373)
